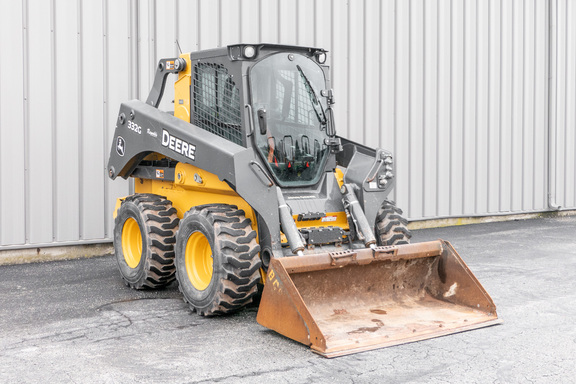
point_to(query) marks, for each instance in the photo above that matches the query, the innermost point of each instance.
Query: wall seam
(489, 107)
(409, 88)
(500, 134)
(477, 98)
(451, 123)
(153, 46)
(54, 120)
(279, 25)
(551, 168)
(348, 72)
(512, 117)
(437, 114)
(574, 85)
(199, 26)
(380, 82)
(80, 65)
(259, 21)
(298, 33)
(219, 6)
(395, 86)
(566, 107)
(424, 136)
(105, 90)
(314, 12)
(26, 119)
(135, 52)
(2, 165)
(523, 166)
(534, 81)
(464, 110)
(364, 68)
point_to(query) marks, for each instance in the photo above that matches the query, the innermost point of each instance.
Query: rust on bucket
(351, 301)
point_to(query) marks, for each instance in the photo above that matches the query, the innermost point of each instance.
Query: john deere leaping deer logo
(120, 146)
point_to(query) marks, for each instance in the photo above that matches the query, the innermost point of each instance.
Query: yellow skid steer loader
(245, 185)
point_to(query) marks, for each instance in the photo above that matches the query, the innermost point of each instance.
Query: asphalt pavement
(75, 322)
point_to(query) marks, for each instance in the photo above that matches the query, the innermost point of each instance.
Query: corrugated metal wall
(476, 98)
(64, 69)
(563, 103)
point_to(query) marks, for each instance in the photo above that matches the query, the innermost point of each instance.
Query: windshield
(287, 87)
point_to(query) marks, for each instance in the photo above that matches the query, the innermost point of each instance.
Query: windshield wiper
(318, 109)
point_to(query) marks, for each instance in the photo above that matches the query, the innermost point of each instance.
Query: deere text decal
(178, 145)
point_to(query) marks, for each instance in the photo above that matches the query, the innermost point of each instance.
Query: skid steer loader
(246, 185)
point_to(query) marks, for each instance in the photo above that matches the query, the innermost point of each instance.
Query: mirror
(330, 128)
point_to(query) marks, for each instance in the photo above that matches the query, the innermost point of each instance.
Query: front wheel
(391, 227)
(217, 259)
(144, 237)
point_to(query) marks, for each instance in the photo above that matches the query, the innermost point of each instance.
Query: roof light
(321, 57)
(249, 52)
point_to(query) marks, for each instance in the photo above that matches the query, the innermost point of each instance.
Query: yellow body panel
(339, 177)
(192, 187)
(117, 206)
(332, 219)
(182, 91)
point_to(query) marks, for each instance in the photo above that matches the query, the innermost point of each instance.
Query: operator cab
(291, 115)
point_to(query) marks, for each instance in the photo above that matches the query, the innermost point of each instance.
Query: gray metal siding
(477, 99)
(463, 132)
(55, 123)
(563, 103)
(12, 135)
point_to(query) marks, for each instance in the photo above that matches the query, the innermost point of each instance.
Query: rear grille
(217, 102)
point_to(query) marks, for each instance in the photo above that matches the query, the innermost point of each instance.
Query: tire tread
(391, 227)
(161, 223)
(239, 249)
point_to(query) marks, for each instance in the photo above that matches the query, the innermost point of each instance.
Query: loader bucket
(351, 301)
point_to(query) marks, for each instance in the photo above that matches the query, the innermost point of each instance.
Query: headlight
(321, 57)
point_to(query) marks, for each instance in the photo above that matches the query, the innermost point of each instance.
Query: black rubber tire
(158, 223)
(235, 259)
(391, 227)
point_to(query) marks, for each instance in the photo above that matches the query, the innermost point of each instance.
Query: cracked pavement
(75, 322)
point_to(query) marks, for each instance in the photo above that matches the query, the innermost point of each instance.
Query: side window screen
(217, 102)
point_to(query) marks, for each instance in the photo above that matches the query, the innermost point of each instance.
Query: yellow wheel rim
(199, 262)
(131, 243)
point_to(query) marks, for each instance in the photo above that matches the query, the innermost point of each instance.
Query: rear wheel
(391, 227)
(144, 237)
(217, 261)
